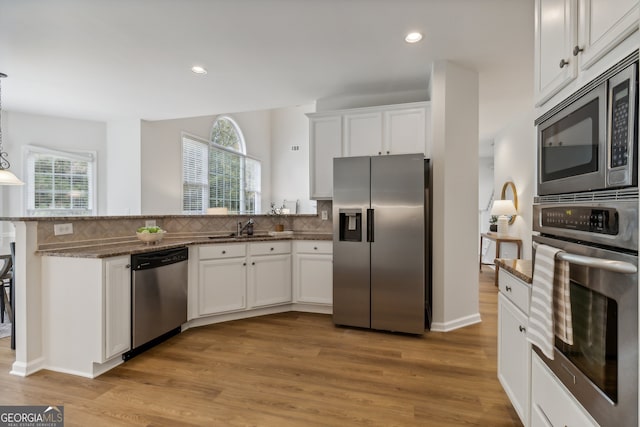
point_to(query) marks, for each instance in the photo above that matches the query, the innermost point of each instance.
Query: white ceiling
(115, 59)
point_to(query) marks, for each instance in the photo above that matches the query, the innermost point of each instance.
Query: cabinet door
(513, 356)
(555, 37)
(117, 309)
(363, 134)
(270, 279)
(222, 285)
(314, 278)
(404, 131)
(603, 24)
(325, 145)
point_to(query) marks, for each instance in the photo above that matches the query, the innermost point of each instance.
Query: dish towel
(541, 328)
(562, 302)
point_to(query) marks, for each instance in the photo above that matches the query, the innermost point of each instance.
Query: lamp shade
(8, 178)
(503, 207)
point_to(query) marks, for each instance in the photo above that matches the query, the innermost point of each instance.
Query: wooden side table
(499, 239)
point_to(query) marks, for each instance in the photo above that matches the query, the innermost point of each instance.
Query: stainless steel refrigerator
(381, 243)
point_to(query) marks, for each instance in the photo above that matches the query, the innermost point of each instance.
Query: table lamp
(503, 209)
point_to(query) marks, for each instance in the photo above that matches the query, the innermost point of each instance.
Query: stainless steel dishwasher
(158, 297)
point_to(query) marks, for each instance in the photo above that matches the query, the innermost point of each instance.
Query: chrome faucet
(240, 228)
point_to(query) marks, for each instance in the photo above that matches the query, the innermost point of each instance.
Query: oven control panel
(593, 220)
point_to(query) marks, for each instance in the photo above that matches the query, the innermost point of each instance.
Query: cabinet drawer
(314, 247)
(551, 403)
(223, 251)
(269, 248)
(515, 290)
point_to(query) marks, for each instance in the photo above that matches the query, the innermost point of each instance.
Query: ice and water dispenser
(350, 225)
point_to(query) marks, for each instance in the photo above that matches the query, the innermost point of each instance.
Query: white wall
(290, 169)
(21, 129)
(515, 160)
(454, 105)
(123, 168)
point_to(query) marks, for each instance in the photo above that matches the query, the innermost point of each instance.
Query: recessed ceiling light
(198, 70)
(413, 37)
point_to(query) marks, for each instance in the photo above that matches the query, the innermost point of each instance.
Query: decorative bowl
(151, 237)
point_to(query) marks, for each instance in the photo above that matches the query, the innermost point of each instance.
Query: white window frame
(80, 155)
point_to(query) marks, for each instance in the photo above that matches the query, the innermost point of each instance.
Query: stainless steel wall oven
(598, 236)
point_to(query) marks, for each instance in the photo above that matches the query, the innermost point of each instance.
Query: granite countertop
(134, 246)
(521, 268)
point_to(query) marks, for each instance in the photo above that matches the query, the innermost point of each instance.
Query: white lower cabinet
(270, 273)
(99, 321)
(240, 276)
(514, 351)
(222, 278)
(222, 285)
(313, 272)
(551, 403)
(117, 306)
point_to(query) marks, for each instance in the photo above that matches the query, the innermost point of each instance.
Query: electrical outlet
(150, 223)
(60, 229)
(325, 215)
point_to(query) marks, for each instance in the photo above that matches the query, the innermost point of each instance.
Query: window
(218, 173)
(60, 183)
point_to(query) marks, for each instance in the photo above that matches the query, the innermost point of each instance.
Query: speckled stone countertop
(126, 246)
(521, 268)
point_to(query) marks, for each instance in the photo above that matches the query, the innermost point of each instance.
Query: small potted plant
(493, 223)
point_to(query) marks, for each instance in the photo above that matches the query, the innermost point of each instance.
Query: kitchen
(149, 163)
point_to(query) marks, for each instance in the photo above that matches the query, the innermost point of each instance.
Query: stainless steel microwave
(589, 141)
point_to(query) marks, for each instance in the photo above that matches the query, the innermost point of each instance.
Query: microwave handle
(599, 263)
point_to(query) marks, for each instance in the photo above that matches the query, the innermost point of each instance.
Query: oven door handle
(599, 263)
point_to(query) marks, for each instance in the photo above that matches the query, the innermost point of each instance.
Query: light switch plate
(60, 229)
(150, 223)
(325, 215)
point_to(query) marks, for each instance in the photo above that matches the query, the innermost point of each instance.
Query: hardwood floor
(292, 369)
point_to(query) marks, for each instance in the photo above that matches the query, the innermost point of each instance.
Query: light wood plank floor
(290, 369)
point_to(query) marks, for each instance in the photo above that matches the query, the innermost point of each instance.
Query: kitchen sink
(243, 237)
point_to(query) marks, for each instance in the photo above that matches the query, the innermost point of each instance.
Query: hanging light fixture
(6, 176)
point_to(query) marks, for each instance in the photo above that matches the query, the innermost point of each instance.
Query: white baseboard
(22, 369)
(245, 314)
(312, 308)
(456, 324)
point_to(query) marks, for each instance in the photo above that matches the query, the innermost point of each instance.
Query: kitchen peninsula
(72, 291)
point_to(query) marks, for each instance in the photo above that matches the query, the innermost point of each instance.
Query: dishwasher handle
(158, 258)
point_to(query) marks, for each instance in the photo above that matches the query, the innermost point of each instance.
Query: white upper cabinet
(363, 133)
(325, 141)
(572, 35)
(405, 130)
(555, 37)
(603, 24)
(370, 131)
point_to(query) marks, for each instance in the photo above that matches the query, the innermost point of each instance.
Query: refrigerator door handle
(370, 225)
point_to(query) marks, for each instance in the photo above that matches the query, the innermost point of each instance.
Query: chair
(6, 275)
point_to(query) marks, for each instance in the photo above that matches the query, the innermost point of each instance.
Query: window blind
(60, 183)
(215, 176)
(194, 176)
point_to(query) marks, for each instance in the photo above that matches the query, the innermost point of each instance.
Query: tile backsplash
(114, 228)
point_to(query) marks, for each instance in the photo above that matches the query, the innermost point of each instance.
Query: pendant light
(6, 176)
